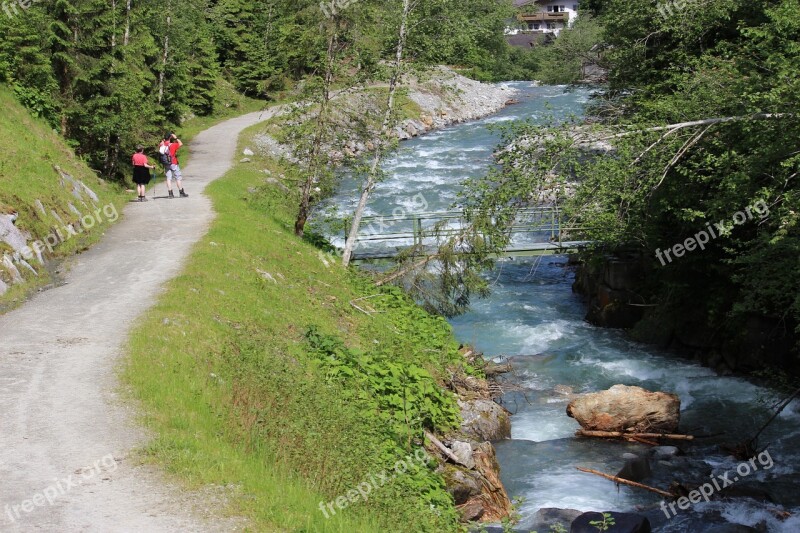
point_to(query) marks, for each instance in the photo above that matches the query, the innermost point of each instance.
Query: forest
(111, 74)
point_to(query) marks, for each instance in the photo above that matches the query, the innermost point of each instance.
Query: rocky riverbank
(615, 290)
(447, 98)
(469, 461)
(434, 99)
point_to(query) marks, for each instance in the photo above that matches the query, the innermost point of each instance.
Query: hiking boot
(171, 195)
(183, 194)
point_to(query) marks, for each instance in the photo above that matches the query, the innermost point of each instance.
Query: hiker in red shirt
(172, 144)
(141, 172)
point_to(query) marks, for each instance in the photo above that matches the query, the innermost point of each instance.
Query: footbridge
(535, 232)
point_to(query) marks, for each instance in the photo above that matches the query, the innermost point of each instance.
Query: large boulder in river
(484, 419)
(623, 408)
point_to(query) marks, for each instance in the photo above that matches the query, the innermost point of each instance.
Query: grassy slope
(235, 395)
(30, 150)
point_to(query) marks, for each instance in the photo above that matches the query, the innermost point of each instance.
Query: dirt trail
(59, 408)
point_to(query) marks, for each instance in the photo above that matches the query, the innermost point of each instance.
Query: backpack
(164, 156)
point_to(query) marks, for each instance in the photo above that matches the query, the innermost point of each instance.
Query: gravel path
(66, 437)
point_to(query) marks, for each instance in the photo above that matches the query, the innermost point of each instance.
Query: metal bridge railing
(421, 226)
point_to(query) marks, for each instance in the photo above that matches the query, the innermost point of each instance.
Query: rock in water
(548, 519)
(623, 408)
(636, 469)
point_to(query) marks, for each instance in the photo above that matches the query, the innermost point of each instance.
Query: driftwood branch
(627, 482)
(644, 441)
(444, 449)
(369, 312)
(621, 435)
(685, 148)
(704, 122)
(780, 409)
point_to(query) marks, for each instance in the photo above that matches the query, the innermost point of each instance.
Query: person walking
(141, 172)
(173, 171)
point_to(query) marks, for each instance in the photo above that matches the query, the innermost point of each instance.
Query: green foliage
(513, 64)
(27, 175)
(565, 60)
(111, 75)
(405, 397)
(467, 33)
(605, 524)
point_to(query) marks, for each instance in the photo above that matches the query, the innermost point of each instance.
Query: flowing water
(533, 317)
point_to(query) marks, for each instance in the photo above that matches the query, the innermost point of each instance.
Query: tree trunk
(127, 36)
(165, 56)
(314, 171)
(372, 177)
(670, 128)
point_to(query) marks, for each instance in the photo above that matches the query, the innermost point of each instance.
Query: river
(533, 316)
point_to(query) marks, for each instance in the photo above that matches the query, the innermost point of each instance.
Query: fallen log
(444, 449)
(619, 480)
(621, 435)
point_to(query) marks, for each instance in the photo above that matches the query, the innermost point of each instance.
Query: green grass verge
(256, 371)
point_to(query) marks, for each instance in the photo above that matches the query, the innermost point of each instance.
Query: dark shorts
(141, 175)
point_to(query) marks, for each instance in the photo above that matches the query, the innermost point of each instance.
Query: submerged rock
(636, 469)
(623, 408)
(548, 518)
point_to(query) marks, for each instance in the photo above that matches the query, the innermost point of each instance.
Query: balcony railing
(544, 17)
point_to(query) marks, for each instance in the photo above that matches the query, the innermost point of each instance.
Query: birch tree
(381, 144)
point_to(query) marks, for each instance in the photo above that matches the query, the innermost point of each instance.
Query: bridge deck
(531, 250)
